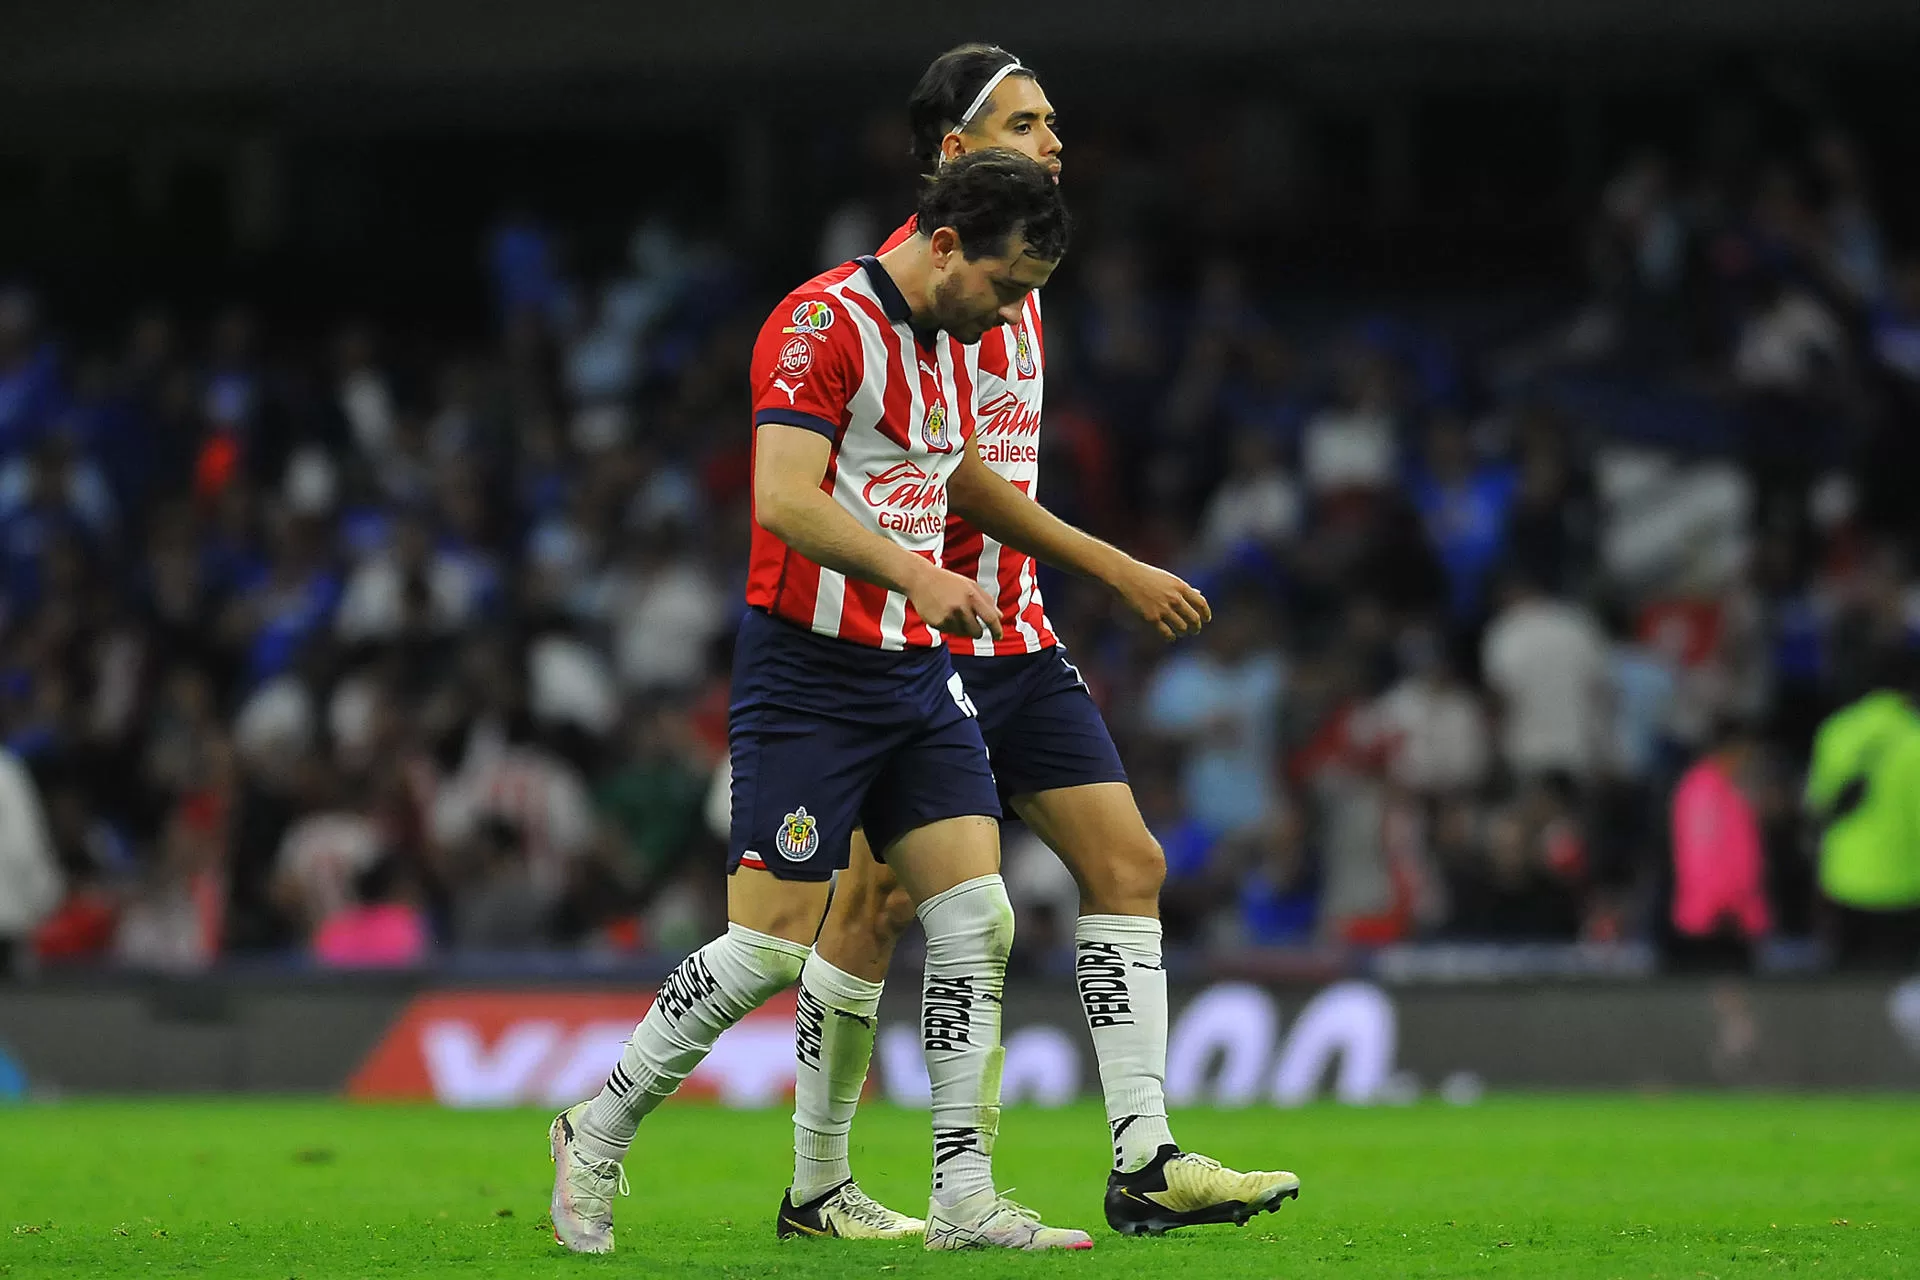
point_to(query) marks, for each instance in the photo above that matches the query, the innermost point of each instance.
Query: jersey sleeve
(806, 365)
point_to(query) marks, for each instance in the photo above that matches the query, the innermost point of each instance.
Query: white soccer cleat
(844, 1213)
(583, 1188)
(1179, 1189)
(988, 1220)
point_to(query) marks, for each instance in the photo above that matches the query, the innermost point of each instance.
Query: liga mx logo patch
(799, 837)
(1022, 353)
(934, 429)
(812, 318)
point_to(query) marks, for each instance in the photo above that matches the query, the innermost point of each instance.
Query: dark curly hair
(987, 196)
(946, 91)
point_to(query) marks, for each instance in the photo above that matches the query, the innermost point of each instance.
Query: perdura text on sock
(1101, 972)
(947, 1007)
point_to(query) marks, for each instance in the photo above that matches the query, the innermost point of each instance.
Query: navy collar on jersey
(892, 301)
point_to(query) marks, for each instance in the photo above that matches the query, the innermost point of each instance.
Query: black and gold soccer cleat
(844, 1213)
(1176, 1189)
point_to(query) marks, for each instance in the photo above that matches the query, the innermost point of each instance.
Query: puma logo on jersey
(791, 390)
(928, 369)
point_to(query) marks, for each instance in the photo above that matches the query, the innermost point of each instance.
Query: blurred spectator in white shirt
(568, 682)
(1257, 500)
(539, 794)
(31, 884)
(1790, 342)
(602, 361)
(1546, 660)
(664, 610)
(1435, 725)
(1352, 445)
(362, 395)
(319, 857)
(408, 585)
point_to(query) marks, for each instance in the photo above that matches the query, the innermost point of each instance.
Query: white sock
(833, 1040)
(1123, 990)
(969, 932)
(711, 990)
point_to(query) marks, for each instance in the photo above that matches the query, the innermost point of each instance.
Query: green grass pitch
(1538, 1187)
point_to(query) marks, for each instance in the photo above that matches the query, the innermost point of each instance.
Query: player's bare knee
(795, 919)
(895, 915)
(1127, 879)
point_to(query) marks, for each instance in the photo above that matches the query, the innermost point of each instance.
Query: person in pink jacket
(383, 929)
(1719, 866)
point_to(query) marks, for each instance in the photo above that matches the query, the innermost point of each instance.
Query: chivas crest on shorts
(799, 837)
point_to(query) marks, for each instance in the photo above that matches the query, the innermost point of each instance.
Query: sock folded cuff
(767, 942)
(1117, 929)
(1147, 1099)
(824, 1141)
(978, 884)
(838, 989)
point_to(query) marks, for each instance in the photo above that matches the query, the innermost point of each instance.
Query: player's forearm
(991, 504)
(820, 529)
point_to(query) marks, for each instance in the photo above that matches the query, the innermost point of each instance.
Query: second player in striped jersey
(1011, 374)
(1054, 764)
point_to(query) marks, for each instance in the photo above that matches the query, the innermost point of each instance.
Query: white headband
(986, 91)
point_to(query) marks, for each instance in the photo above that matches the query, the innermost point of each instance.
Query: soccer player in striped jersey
(846, 709)
(1054, 763)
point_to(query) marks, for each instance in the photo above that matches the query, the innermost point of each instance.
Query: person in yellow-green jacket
(1863, 793)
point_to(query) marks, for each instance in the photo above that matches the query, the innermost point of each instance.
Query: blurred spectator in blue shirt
(32, 397)
(1643, 681)
(286, 603)
(1465, 503)
(1220, 700)
(1896, 324)
(520, 258)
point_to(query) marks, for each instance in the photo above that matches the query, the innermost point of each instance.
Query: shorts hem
(781, 869)
(975, 810)
(1026, 787)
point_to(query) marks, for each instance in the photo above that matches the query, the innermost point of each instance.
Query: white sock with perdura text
(708, 992)
(1123, 991)
(833, 1038)
(969, 932)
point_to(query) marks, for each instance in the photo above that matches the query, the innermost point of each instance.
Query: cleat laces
(1009, 1205)
(605, 1171)
(864, 1209)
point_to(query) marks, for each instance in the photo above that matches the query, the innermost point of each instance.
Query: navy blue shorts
(826, 735)
(1042, 728)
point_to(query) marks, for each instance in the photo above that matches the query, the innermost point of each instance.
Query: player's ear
(945, 242)
(952, 147)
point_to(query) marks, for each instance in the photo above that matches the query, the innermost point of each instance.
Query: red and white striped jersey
(1010, 381)
(840, 356)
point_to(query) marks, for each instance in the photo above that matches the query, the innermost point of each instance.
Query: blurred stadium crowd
(381, 647)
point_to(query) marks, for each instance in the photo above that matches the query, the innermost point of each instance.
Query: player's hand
(1163, 601)
(954, 605)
